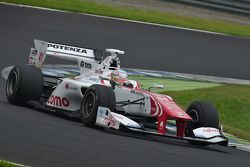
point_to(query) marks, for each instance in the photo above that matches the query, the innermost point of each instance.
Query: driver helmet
(119, 76)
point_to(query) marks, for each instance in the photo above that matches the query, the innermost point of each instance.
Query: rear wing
(43, 48)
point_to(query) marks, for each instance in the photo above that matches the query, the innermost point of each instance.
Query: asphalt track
(40, 139)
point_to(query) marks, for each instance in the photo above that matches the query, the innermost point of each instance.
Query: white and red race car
(102, 95)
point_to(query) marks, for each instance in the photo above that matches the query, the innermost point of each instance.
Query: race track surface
(40, 139)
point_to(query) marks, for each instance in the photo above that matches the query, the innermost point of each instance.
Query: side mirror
(156, 86)
(112, 83)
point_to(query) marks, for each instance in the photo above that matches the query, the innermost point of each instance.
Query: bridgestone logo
(58, 101)
(67, 48)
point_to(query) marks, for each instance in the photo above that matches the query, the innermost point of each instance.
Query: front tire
(203, 114)
(24, 83)
(95, 96)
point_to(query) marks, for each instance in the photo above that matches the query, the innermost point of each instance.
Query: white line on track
(120, 19)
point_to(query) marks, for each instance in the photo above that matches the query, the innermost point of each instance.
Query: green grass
(171, 84)
(141, 15)
(232, 102)
(6, 164)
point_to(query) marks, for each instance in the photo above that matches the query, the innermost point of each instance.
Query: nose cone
(170, 107)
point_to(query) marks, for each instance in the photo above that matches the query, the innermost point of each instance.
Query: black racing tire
(24, 83)
(203, 114)
(95, 96)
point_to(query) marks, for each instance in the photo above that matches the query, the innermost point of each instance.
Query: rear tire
(95, 96)
(203, 114)
(24, 83)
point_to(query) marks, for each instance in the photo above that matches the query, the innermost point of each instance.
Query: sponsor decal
(33, 52)
(67, 48)
(164, 98)
(161, 128)
(136, 92)
(109, 121)
(40, 58)
(100, 112)
(93, 79)
(58, 101)
(85, 65)
(210, 130)
(67, 86)
(32, 57)
(180, 114)
(205, 132)
(99, 71)
(105, 118)
(161, 124)
(70, 87)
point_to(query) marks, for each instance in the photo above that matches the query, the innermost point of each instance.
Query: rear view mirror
(156, 86)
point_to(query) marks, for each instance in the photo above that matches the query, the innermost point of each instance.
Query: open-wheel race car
(102, 95)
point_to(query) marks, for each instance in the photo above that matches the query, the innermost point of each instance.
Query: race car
(100, 93)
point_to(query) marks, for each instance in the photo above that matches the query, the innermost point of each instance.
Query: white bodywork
(124, 94)
(211, 135)
(69, 90)
(204, 132)
(109, 119)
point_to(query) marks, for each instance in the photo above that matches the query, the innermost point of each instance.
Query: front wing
(206, 135)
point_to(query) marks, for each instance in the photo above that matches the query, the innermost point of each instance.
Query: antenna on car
(115, 52)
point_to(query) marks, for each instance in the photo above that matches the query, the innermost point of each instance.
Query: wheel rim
(12, 83)
(194, 115)
(89, 105)
(192, 124)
